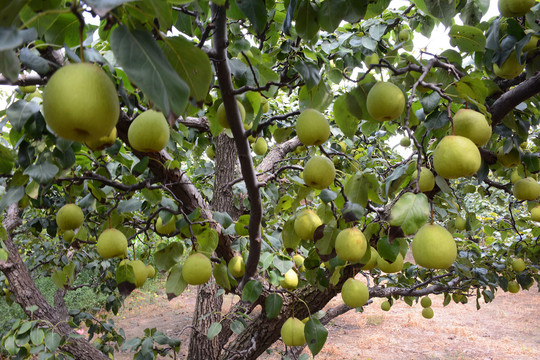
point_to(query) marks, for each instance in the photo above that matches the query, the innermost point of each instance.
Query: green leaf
(221, 275)
(136, 50)
(125, 279)
(37, 336)
(252, 291)
(129, 205)
(207, 241)
(214, 330)
(9, 64)
(316, 335)
(334, 11)
(442, 9)
(388, 251)
(307, 24)
(356, 190)
(102, 7)
(191, 63)
(272, 305)
(223, 218)
(69, 269)
(309, 73)
(26, 326)
(347, 122)
(318, 97)
(64, 31)
(175, 284)
(13, 195)
(19, 113)
(168, 256)
(289, 237)
(255, 11)
(9, 345)
(52, 340)
(472, 90)
(436, 120)
(237, 326)
(410, 212)
(430, 101)
(3, 255)
(467, 38)
(325, 245)
(42, 173)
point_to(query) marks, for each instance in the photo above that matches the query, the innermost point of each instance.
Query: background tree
(254, 67)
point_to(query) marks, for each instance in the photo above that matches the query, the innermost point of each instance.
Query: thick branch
(512, 98)
(202, 124)
(223, 73)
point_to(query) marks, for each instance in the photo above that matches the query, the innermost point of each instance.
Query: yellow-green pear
(369, 259)
(434, 247)
(27, 89)
(510, 159)
(354, 293)
(69, 235)
(141, 272)
(385, 305)
(265, 105)
(426, 182)
(236, 266)
(150, 271)
(425, 302)
(69, 217)
(513, 287)
(112, 243)
(197, 269)
(149, 132)
(290, 281)
(103, 142)
(515, 176)
(526, 189)
(405, 142)
(260, 146)
(427, 312)
(404, 35)
(535, 213)
(80, 102)
(210, 152)
(222, 116)
(472, 125)
(456, 156)
(299, 262)
(510, 68)
(388, 267)
(385, 101)
(292, 332)
(319, 172)
(515, 8)
(532, 45)
(371, 59)
(306, 223)
(460, 223)
(351, 244)
(312, 127)
(518, 265)
(168, 228)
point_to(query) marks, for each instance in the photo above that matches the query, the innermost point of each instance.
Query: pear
(69, 235)
(260, 146)
(222, 116)
(141, 272)
(535, 213)
(425, 302)
(390, 268)
(426, 182)
(532, 45)
(434, 247)
(385, 305)
(306, 223)
(513, 287)
(510, 159)
(405, 142)
(80, 103)
(319, 172)
(236, 266)
(312, 128)
(456, 156)
(210, 152)
(299, 262)
(112, 243)
(351, 244)
(472, 125)
(518, 265)
(385, 101)
(515, 176)
(69, 217)
(168, 228)
(150, 271)
(526, 189)
(427, 312)
(460, 223)
(515, 8)
(290, 281)
(354, 293)
(404, 35)
(149, 132)
(27, 89)
(369, 259)
(103, 142)
(371, 59)
(197, 269)
(292, 332)
(510, 68)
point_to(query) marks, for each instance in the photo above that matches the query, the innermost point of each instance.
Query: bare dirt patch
(507, 328)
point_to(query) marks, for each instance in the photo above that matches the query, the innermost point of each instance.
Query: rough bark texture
(27, 294)
(225, 161)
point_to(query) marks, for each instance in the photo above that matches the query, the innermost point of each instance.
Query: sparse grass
(374, 320)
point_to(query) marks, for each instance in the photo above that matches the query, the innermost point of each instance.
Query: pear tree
(126, 154)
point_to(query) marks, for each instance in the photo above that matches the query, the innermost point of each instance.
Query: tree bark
(28, 295)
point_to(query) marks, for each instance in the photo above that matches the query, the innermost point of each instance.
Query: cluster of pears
(141, 271)
(69, 218)
(427, 311)
(313, 129)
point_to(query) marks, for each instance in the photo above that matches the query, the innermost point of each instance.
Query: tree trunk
(28, 295)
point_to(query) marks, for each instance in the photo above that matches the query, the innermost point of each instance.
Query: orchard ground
(507, 328)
